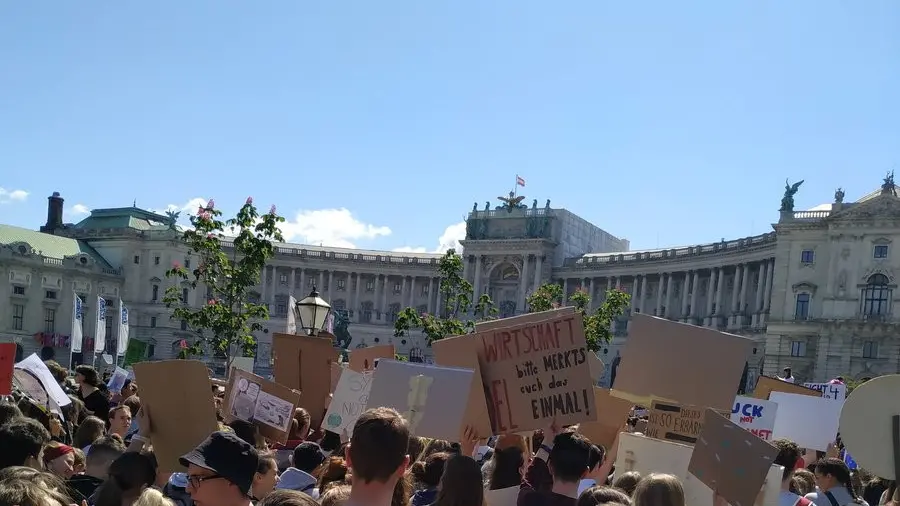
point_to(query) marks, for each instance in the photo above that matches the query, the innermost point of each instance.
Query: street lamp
(312, 312)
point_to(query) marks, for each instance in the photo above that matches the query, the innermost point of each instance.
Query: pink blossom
(209, 236)
(249, 201)
(176, 265)
(211, 302)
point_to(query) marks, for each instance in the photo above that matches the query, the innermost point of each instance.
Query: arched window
(876, 297)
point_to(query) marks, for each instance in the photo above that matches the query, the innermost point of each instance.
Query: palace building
(816, 293)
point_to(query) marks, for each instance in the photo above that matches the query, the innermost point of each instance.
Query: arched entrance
(504, 288)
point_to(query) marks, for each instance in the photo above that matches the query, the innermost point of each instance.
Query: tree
(457, 294)
(597, 325)
(225, 324)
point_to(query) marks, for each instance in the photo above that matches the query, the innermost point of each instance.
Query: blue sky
(667, 123)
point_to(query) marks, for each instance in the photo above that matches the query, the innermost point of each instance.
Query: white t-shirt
(789, 379)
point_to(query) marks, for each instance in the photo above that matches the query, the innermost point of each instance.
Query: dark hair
(378, 445)
(267, 462)
(74, 411)
(90, 375)
(105, 450)
(570, 457)
(115, 409)
(283, 497)
(302, 419)
(428, 473)
(596, 456)
(128, 475)
(507, 469)
(9, 412)
(133, 403)
(88, 431)
(334, 471)
(60, 374)
(330, 442)
(461, 484)
(598, 495)
(245, 430)
(839, 470)
(788, 455)
(22, 438)
(416, 447)
(627, 482)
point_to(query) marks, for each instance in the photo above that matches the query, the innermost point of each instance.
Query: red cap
(54, 452)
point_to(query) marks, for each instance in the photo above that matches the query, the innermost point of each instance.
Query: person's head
(806, 478)
(461, 483)
(221, 470)
(601, 495)
(415, 448)
(87, 375)
(9, 412)
(266, 476)
(598, 453)
(59, 459)
(300, 424)
(507, 468)
(129, 475)
(23, 440)
(569, 457)
(659, 490)
(119, 420)
(377, 450)
(627, 482)
(787, 372)
(428, 473)
(788, 454)
(129, 388)
(307, 457)
(133, 403)
(25, 486)
(247, 431)
(334, 470)
(104, 450)
(287, 498)
(80, 461)
(74, 411)
(60, 374)
(335, 496)
(833, 473)
(152, 497)
(91, 429)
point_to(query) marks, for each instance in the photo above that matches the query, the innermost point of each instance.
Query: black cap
(308, 456)
(228, 456)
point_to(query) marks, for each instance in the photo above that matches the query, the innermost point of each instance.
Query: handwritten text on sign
(755, 415)
(349, 400)
(536, 372)
(835, 391)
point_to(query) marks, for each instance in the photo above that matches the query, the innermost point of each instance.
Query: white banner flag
(122, 344)
(100, 339)
(291, 316)
(77, 327)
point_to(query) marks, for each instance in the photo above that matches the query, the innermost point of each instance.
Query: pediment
(21, 248)
(881, 207)
(886, 271)
(805, 286)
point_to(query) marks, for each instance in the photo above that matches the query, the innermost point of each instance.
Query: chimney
(54, 213)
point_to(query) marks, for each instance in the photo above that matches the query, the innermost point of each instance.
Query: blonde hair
(659, 490)
(337, 495)
(152, 497)
(26, 487)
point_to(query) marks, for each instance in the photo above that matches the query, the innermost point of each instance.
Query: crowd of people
(99, 453)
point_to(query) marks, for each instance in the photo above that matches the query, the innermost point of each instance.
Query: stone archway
(504, 283)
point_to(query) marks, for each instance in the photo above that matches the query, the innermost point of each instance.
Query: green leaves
(597, 326)
(457, 295)
(226, 322)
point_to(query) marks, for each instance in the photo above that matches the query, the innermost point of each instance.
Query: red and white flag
(520, 181)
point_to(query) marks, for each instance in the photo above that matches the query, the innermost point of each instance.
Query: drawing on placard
(416, 400)
(273, 411)
(243, 402)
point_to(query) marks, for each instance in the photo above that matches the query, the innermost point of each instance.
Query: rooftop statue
(173, 218)
(888, 185)
(839, 196)
(511, 202)
(787, 202)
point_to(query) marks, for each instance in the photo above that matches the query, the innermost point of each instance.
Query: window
(156, 260)
(184, 295)
(49, 320)
(310, 282)
(398, 288)
(18, 290)
(798, 349)
(50, 294)
(876, 296)
(341, 284)
(152, 322)
(801, 309)
(282, 279)
(807, 256)
(367, 312)
(425, 289)
(870, 349)
(155, 293)
(281, 309)
(110, 337)
(880, 251)
(370, 286)
(137, 259)
(183, 325)
(393, 311)
(18, 317)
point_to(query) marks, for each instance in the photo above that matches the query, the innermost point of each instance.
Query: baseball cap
(308, 456)
(228, 456)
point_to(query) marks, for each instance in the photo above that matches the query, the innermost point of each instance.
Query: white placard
(811, 422)
(36, 366)
(348, 401)
(117, 380)
(833, 391)
(755, 415)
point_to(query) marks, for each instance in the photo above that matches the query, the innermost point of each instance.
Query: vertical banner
(77, 327)
(100, 329)
(122, 344)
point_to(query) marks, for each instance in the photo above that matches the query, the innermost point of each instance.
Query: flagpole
(516, 186)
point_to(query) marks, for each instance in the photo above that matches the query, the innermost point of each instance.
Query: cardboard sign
(866, 425)
(793, 421)
(680, 363)
(755, 415)
(266, 404)
(176, 394)
(524, 319)
(37, 368)
(336, 370)
(765, 385)
(363, 359)
(833, 391)
(349, 401)
(730, 460)
(463, 353)
(302, 363)
(432, 399)
(536, 372)
(7, 361)
(612, 413)
(675, 422)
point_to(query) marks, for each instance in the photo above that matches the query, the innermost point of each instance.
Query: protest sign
(793, 419)
(432, 399)
(266, 404)
(523, 319)
(117, 380)
(336, 370)
(7, 361)
(302, 363)
(535, 372)
(363, 359)
(349, 401)
(765, 385)
(867, 429)
(680, 363)
(38, 369)
(463, 353)
(833, 391)
(612, 413)
(176, 394)
(755, 415)
(675, 422)
(729, 460)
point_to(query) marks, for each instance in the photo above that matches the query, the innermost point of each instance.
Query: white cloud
(449, 239)
(330, 227)
(7, 196)
(80, 209)
(409, 249)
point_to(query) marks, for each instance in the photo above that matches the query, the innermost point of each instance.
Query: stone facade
(816, 293)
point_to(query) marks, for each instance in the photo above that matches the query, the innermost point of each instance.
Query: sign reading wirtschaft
(535, 372)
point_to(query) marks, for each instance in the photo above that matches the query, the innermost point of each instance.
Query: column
(760, 290)
(477, 282)
(745, 281)
(593, 303)
(767, 296)
(634, 294)
(263, 283)
(538, 263)
(668, 306)
(685, 298)
(565, 293)
(643, 293)
(356, 304)
(720, 288)
(659, 295)
(303, 291)
(404, 295)
(412, 291)
(384, 294)
(608, 285)
(321, 286)
(432, 297)
(710, 296)
(695, 293)
(466, 261)
(523, 285)
(331, 284)
(735, 289)
(618, 283)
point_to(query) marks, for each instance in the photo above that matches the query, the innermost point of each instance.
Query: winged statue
(787, 202)
(511, 202)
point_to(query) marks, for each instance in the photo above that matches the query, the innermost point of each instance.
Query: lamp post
(312, 313)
